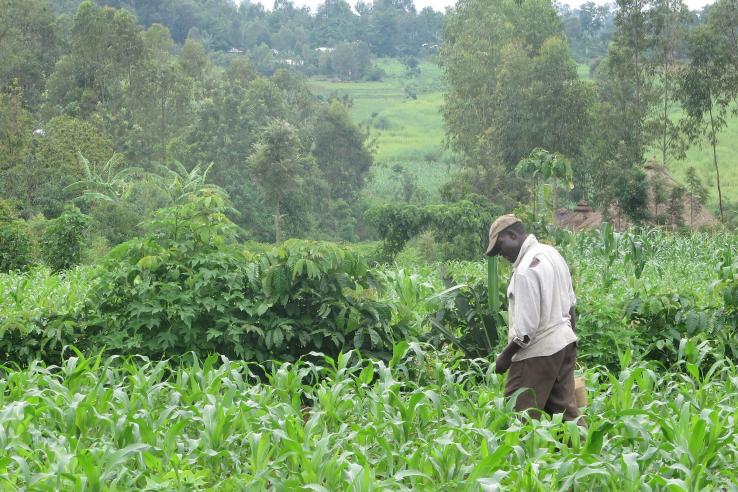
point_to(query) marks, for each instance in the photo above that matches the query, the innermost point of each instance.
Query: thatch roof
(583, 217)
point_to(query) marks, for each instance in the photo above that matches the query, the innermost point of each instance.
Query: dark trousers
(548, 383)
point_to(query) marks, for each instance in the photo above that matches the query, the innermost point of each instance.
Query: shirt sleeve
(527, 315)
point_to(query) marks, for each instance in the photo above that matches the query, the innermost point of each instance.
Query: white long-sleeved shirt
(540, 295)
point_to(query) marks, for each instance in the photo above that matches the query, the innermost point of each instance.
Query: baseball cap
(500, 224)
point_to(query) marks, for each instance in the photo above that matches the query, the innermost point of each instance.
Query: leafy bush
(375, 74)
(15, 243)
(661, 322)
(63, 240)
(465, 314)
(41, 313)
(188, 287)
(460, 226)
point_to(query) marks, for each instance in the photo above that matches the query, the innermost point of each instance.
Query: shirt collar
(527, 244)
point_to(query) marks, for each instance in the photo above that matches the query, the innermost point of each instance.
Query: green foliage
(675, 207)
(541, 164)
(41, 313)
(535, 99)
(425, 421)
(662, 322)
(460, 225)
(187, 286)
(54, 164)
(31, 44)
(63, 240)
(107, 182)
(340, 152)
(348, 61)
(465, 315)
(275, 162)
(629, 191)
(15, 239)
(698, 194)
(15, 127)
(589, 30)
(705, 92)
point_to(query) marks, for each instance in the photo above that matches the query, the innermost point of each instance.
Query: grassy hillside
(407, 131)
(700, 157)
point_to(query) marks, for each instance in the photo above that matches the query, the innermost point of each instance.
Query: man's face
(508, 245)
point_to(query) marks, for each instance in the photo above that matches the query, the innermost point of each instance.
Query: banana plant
(542, 164)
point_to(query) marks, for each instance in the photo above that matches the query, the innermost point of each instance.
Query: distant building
(325, 49)
(234, 50)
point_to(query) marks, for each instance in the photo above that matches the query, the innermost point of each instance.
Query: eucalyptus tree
(628, 71)
(275, 163)
(697, 192)
(512, 86)
(30, 45)
(667, 24)
(705, 93)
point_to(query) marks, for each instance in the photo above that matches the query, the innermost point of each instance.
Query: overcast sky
(442, 4)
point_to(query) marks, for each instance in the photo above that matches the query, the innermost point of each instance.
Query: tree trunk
(665, 121)
(639, 109)
(277, 221)
(553, 198)
(163, 104)
(713, 141)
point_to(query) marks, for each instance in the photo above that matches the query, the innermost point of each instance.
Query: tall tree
(629, 67)
(334, 23)
(161, 101)
(485, 45)
(340, 152)
(15, 128)
(105, 44)
(705, 93)
(697, 192)
(30, 44)
(276, 165)
(667, 23)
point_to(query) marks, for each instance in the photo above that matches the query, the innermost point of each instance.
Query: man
(542, 349)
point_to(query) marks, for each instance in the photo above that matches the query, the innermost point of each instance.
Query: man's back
(541, 294)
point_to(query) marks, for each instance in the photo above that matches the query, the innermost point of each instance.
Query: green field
(658, 351)
(699, 156)
(407, 131)
(410, 131)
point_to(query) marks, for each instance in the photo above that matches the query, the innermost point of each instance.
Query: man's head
(506, 237)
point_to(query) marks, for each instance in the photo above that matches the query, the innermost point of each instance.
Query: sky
(442, 4)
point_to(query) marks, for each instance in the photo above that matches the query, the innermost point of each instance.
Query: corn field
(355, 424)
(658, 348)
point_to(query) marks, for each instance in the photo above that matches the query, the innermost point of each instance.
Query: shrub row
(188, 286)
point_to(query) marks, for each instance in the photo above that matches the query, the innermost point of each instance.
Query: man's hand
(502, 363)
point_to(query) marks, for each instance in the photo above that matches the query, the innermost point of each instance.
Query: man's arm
(502, 364)
(525, 319)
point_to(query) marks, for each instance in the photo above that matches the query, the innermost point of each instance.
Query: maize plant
(356, 424)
